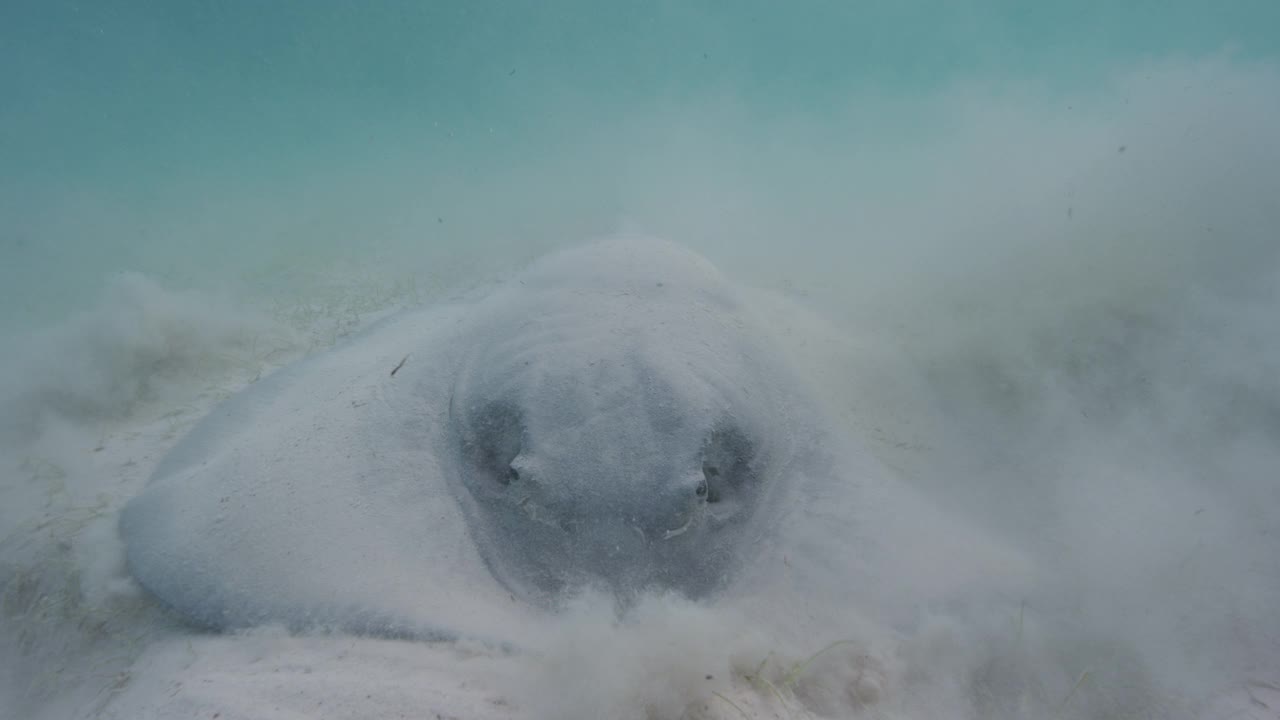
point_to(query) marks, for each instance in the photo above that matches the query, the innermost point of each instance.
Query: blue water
(204, 140)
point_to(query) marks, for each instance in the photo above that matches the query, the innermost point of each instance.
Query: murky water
(1048, 233)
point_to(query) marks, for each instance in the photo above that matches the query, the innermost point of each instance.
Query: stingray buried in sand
(615, 418)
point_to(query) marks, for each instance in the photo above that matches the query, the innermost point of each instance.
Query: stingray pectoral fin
(319, 556)
(161, 557)
(231, 584)
(305, 503)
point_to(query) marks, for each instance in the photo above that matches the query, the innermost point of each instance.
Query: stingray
(617, 418)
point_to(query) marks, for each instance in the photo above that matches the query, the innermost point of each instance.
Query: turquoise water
(204, 141)
(1046, 231)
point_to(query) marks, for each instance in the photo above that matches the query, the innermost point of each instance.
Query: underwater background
(1055, 225)
(204, 143)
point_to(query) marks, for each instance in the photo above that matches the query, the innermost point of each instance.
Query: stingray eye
(710, 474)
(727, 468)
(492, 437)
